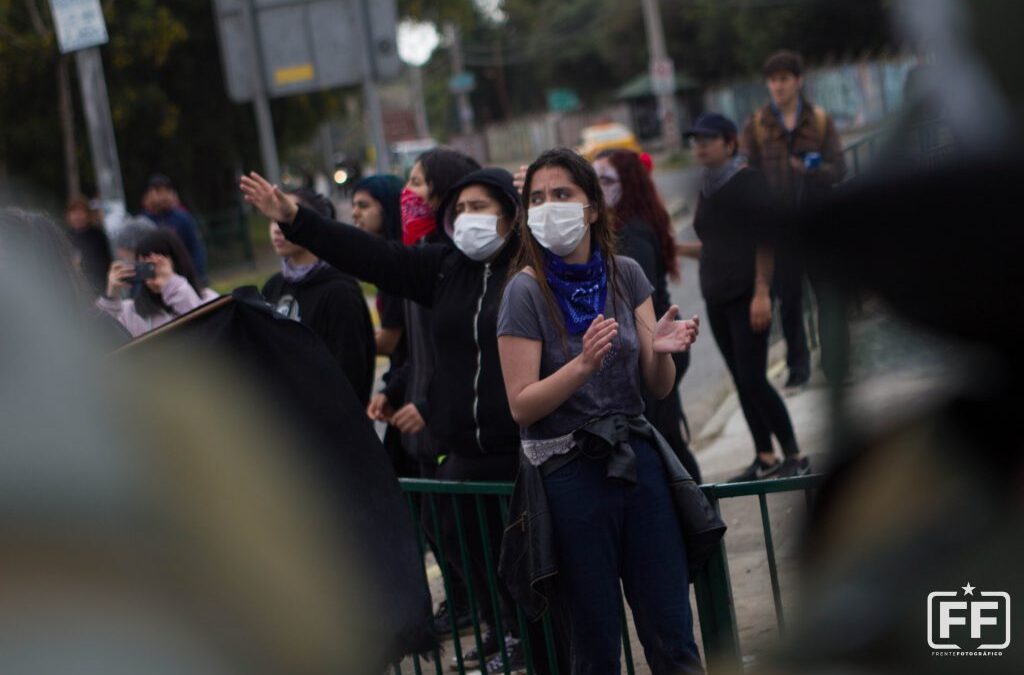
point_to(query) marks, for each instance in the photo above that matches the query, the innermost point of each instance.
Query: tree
(167, 96)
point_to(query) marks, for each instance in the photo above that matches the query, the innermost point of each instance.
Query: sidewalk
(895, 370)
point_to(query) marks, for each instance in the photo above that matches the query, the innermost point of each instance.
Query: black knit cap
(493, 177)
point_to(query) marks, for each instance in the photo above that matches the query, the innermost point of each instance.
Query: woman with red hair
(645, 234)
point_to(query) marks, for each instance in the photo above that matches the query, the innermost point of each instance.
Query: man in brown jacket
(796, 146)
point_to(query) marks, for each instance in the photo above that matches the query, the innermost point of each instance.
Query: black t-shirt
(333, 306)
(731, 223)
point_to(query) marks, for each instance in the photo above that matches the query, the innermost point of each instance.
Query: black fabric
(528, 564)
(333, 306)
(293, 368)
(94, 247)
(746, 355)
(468, 408)
(730, 225)
(788, 289)
(637, 240)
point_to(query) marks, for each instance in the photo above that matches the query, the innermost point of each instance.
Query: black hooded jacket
(333, 306)
(469, 412)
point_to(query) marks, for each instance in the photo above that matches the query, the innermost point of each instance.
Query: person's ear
(594, 213)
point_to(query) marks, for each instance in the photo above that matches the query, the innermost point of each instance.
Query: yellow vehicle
(609, 136)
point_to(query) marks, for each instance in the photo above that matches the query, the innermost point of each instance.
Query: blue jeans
(607, 529)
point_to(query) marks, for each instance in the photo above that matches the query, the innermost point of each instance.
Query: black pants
(499, 467)
(788, 289)
(746, 355)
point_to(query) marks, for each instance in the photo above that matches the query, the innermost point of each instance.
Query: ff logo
(969, 623)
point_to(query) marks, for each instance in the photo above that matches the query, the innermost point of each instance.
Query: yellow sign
(293, 74)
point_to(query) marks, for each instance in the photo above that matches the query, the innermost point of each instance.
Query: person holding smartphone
(161, 285)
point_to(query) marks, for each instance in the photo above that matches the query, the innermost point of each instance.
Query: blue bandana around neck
(579, 290)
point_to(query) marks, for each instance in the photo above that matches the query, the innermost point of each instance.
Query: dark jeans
(788, 288)
(606, 530)
(746, 355)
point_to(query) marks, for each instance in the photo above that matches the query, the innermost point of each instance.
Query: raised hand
(671, 336)
(597, 342)
(268, 198)
(118, 277)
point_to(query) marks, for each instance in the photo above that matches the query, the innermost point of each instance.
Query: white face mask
(476, 235)
(557, 226)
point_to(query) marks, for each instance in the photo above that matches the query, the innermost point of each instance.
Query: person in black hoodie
(309, 290)
(462, 283)
(734, 221)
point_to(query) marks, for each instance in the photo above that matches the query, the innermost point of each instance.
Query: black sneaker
(471, 659)
(757, 471)
(794, 466)
(797, 380)
(443, 621)
(516, 660)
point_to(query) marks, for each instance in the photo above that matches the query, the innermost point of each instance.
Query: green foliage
(167, 98)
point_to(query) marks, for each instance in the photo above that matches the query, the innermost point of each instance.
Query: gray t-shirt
(616, 387)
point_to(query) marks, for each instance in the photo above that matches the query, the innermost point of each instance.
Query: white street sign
(79, 24)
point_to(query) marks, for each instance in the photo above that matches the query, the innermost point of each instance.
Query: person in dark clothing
(162, 206)
(461, 282)
(312, 292)
(376, 209)
(90, 242)
(796, 146)
(645, 235)
(733, 221)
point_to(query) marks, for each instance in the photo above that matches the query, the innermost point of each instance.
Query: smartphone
(812, 160)
(144, 271)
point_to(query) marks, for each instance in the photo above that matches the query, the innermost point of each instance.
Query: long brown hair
(640, 201)
(602, 235)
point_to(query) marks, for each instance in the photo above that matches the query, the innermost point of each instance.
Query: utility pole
(662, 75)
(260, 102)
(101, 136)
(455, 48)
(371, 97)
(422, 126)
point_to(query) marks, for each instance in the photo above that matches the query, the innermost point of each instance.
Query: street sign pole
(101, 135)
(371, 97)
(661, 81)
(81, 29)
(261, 104)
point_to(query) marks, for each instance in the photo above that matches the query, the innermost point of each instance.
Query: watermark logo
(968, 623)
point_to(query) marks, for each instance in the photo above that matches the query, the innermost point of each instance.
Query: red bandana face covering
(417, 217)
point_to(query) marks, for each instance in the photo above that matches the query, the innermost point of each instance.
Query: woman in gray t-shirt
(576, 333)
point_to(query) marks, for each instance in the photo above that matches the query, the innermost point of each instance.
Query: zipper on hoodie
(479, 357)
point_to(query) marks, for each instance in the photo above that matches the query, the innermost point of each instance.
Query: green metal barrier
(712, 587)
